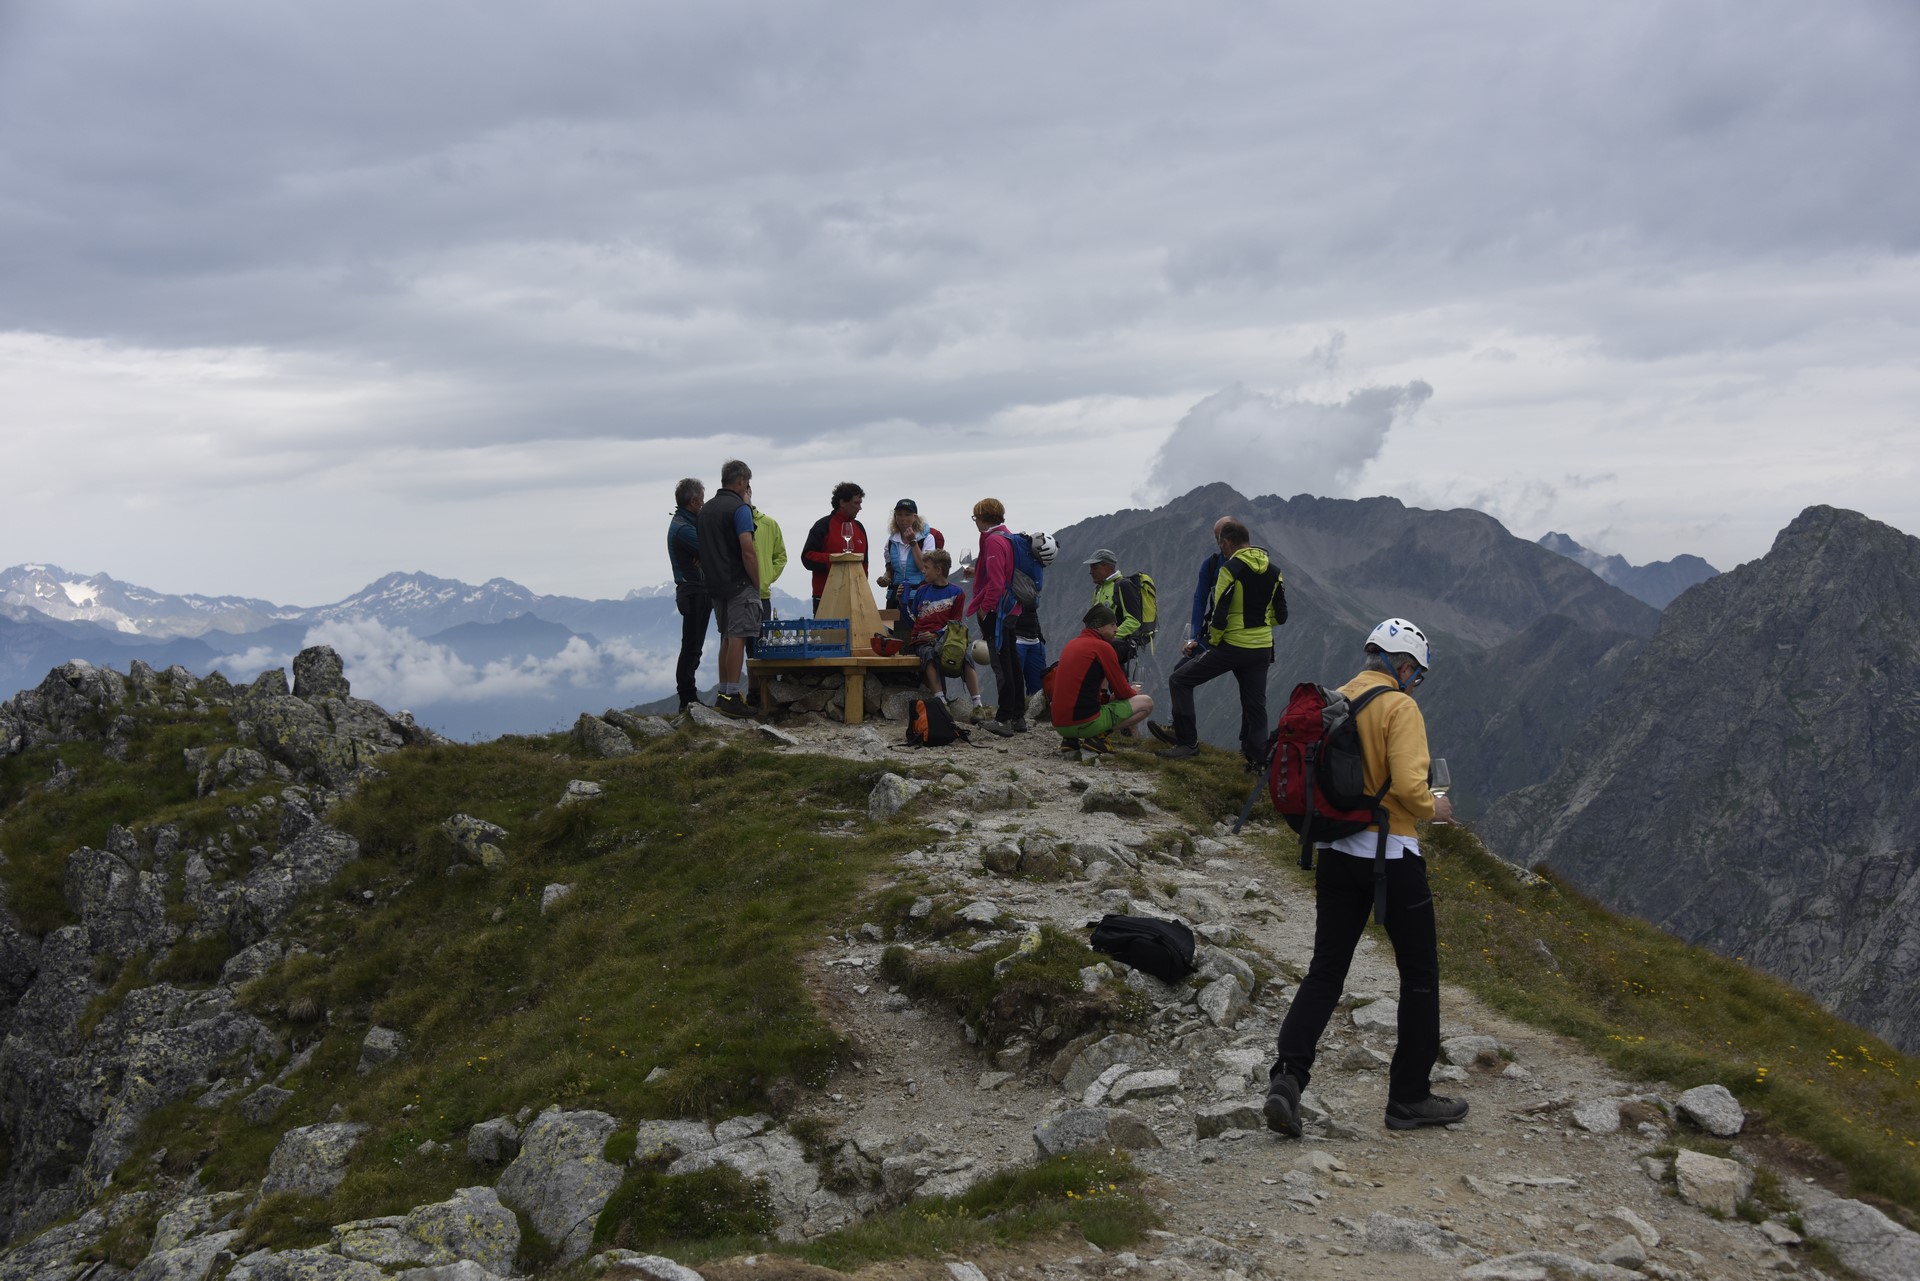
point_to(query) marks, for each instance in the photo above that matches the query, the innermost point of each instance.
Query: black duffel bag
(1163, 949)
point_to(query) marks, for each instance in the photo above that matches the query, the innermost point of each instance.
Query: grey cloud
(1272, 443)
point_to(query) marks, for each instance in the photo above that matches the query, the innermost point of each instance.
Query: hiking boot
(1069, 744)
(1000, 728)
(733, 705)
(1181, 751)
(1435, 1109)
(1282, 1108)
(1098, 744)
(1162, 732)
(1020, 725)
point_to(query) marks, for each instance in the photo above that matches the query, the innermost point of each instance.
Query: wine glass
(1439, 777)
(846, 537)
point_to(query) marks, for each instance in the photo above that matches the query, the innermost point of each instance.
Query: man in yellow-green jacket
(1248, 602)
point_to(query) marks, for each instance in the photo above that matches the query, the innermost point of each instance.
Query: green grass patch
(1660, 1009)
(1038, 997)
(700, 878)
(1092, 1192)
(715, 1211)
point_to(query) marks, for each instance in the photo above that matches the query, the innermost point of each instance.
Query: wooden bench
(855, 668)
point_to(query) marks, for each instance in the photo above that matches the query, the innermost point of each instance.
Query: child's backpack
(954, 649)
(1149, 609)
(1163, 949)
(1029, 574)
(1317, 774)
(929, 724)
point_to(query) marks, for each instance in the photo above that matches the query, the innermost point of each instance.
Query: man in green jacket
(772, 547)
(1119, 594)
(1247, 603)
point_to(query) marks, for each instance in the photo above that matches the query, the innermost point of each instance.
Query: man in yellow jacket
(1248, 602)
(1393, 743)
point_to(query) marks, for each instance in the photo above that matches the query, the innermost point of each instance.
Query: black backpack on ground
(1163, 949)
(929, 724)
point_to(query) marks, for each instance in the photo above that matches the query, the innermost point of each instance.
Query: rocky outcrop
(1749, 786)
(77, 1081)
(560, 1180)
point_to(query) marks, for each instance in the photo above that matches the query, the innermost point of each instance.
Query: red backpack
(1317, 773)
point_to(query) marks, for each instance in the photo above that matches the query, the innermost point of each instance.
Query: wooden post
(847, 595)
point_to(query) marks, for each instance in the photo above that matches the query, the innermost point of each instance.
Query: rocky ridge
(1752, 786)
(1549, 1175)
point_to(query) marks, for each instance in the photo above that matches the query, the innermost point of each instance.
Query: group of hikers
(727, 554)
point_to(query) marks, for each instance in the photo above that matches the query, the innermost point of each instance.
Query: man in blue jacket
(1196, 642)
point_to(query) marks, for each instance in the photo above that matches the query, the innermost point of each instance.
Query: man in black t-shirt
(732, 568)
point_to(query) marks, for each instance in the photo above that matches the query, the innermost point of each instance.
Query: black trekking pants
(1343, 900)
(1009, 683)
(1249, 668)
(696, 612)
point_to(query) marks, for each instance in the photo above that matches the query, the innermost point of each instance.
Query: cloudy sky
(292, 295)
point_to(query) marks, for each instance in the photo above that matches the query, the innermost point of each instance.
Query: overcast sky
(295, 294)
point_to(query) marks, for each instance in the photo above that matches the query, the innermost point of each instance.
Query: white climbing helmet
(980, 654)
(1398, 636)
(1044, 548)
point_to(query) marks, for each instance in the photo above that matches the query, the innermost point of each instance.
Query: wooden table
(856, 669)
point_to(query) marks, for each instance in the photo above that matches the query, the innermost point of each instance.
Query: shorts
(1109, 715)
(738, 615)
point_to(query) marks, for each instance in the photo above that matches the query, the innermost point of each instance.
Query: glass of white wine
(1439, 777)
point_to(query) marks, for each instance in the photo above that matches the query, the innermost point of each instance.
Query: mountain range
(1753, 783)
(1656, 583)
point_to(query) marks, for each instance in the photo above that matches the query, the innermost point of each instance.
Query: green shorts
(1103, 722)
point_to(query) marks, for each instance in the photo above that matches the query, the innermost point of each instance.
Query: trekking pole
(1273, 742)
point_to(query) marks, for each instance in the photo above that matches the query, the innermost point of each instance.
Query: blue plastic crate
(788, 638)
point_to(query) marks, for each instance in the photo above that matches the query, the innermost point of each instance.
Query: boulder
(302, 1265)
(1714, 1109)
(560, 1180)
(1463, 1050)
(1238, 1114)
(773, 1158)
(1002, 857)
(1120, 1047)
(121, 903)
(1864, 1239)
(493, 1142)
(594, 737)
(482, 842)
(1382, 1015)
(1545, 1265)
(1078, 1128)
(1598, 1116)
(580, 790)
(471, 1225)
(311, 1160)
(1144, 1085)
(1711, 1182)
(1627, 1252)
(553, 895)
(890, 795)
(264, 1104)
(1391, 1235)
(1224, 1001)
(653, 1267)
(191, 1261)
(249, 963)
(318, 673)
(664, 1142)
(1111, 798)
(637, 722)
(380, 1046)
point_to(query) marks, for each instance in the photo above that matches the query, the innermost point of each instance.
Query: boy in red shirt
(1092, 697)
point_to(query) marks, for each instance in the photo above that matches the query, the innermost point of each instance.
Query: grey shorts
(738, 616)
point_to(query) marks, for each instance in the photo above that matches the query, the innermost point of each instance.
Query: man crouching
(1092, 697)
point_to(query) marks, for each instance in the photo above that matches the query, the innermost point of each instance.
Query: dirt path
(1517, 1176)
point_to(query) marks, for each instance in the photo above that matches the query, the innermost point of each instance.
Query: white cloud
(393, 667)
(1278, 443)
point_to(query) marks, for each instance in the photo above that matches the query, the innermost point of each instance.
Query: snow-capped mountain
(125, 607)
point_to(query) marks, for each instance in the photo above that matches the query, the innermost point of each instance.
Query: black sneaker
(1020, 725)
(1181, 751)
(733, 705)
(1282, 1108)
(1435, 1109)
(1162, 732)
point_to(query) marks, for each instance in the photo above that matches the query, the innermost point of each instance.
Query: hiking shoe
(1020, 725)
(1069, 744)
(1099, 744)
(1001, 728)
(1162, 732)
(1435, 1109)
(733, 705)
(1181, 751)
(1282, 1108)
